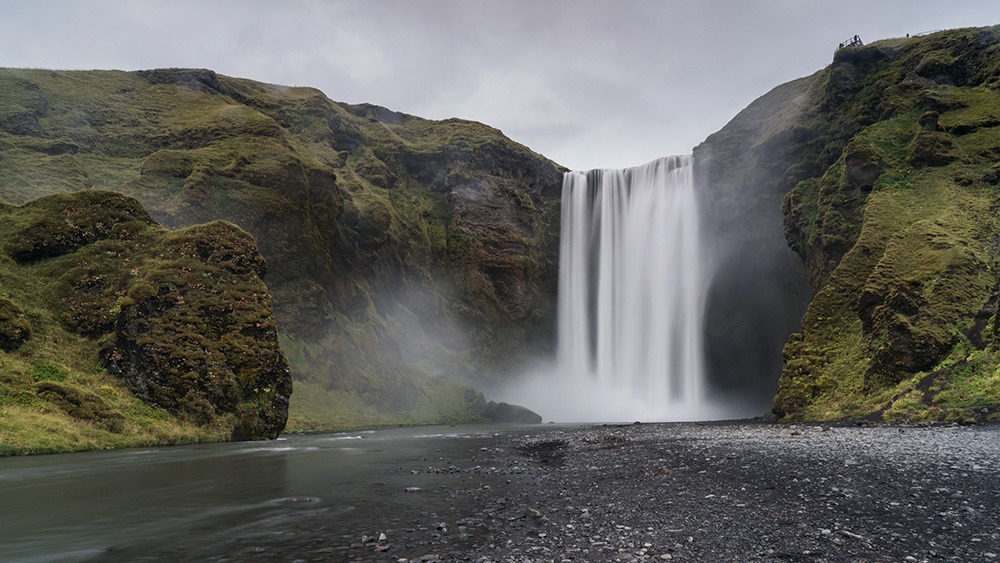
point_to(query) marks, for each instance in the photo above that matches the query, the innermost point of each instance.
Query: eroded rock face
(883, 168)
(400, 249)
(197, 338)
(894, 234)
(186, 315)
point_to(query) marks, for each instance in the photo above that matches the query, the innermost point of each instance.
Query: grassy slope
(386, 283)
(898, 236)
(55, 394)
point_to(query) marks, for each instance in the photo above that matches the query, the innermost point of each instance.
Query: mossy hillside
(138, 335)
(367, 217)
(897, 236)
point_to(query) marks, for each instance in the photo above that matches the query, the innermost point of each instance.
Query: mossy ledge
(118, 332)
(884, 165)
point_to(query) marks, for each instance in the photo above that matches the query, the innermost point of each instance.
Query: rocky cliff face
(180, 318)
(406, 255)
(758, 291)
(403, 254)
(886, 162)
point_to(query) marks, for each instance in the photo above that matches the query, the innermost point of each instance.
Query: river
(735, 491)
(317, 493)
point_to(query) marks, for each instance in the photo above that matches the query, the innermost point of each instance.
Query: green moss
(905, 277)
(89, 266)
(14, 326)
(976, 383)
(354, 207)
(45, 370)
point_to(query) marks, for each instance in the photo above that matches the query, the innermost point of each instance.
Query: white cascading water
(632, 293)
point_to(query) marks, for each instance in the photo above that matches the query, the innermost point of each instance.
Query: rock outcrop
(886, 163)
(410, 257)
(182, 318)
(404, 254)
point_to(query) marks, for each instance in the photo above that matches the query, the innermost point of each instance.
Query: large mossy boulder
(182, 317)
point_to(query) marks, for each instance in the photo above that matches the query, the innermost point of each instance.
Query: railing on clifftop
(852, 42)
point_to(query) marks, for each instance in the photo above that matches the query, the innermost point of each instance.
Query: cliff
(118, 332)
(404, 255)
(883, 166)
(853, 209)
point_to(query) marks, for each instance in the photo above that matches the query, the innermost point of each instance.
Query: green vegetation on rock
(887, 164)
(404, 255)
(117, 332)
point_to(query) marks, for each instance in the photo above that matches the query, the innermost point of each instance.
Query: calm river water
(193, 501)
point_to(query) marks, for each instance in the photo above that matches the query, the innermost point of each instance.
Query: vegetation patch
(905, 282)
(179, 318)
(361, 213)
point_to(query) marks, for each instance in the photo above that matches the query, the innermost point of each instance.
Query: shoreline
(741, 491)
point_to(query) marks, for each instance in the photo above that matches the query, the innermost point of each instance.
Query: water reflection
(137, 503)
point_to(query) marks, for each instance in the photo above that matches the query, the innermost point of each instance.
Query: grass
(77, 268)
(347, 203)
(896, 325)
(32, 421)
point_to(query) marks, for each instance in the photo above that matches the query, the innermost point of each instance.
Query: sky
(589, 84)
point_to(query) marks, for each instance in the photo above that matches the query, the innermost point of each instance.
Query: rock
(929, 121)
(61, 224)
(933, 149)
(507, 413)
(179, 347)
(181, 317)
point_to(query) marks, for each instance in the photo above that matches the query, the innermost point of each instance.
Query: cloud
(519, 98)
(588, 83)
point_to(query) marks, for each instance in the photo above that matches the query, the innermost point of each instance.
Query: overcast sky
(589, 84)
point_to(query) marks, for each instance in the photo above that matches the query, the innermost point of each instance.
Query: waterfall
(632, 291)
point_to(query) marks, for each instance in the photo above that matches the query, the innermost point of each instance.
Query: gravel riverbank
(719, 492)
(641, 492)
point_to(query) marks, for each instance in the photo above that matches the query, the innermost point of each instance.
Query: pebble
(593, 494)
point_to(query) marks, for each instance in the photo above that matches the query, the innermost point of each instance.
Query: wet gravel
(688, 492)
(644, 492)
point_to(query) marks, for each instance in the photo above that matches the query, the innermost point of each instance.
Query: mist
(558, 396)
